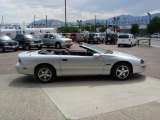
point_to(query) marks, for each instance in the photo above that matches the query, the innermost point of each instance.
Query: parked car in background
(77, 37)
(47, 64)
(67, 35)
(126, 39)
(96, 38)
(111, 38)
(6, 43)
(57, 40)
(155, 35)
(28, 41)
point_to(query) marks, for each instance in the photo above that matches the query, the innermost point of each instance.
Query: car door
(20, 39)
(52, 39)
(45, 40)
(81, 65)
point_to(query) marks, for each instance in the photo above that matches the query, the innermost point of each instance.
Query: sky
(20, 11)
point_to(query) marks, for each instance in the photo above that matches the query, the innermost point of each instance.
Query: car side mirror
(96, 55)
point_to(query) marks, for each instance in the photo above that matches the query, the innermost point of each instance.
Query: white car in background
(126, 39)
(155, 35)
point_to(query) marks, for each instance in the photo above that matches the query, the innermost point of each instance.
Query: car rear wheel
(119, 45)
(58, 45)
(27, 47)
(45, 73)
(39, 48)
(122, 71)
(16, 49)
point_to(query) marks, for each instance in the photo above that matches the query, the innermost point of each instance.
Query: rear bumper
(23, 70)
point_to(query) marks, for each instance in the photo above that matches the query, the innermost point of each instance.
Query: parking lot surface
(86, 98)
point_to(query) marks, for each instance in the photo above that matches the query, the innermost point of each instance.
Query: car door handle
(64, 59)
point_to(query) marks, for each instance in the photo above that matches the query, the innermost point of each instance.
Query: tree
(68, 30)
(154, 25)
(135, 29)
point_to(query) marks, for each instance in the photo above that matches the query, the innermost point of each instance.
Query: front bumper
(139, 68)
(66, 44)
(11, 47)
(36, 45)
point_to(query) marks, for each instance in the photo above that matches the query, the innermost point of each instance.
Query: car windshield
(96, 49)
(123, 36)
(29, 36)
(5, 38)
(59, 36)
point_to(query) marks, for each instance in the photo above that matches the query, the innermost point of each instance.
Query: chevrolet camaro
(47, 64)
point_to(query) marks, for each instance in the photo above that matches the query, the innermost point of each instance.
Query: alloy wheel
(45, 74)
(122, 72)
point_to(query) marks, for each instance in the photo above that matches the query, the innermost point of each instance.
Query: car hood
(9, 41)
(65, 39)
(124, 55)
(34, 39)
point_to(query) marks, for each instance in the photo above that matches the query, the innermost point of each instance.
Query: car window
(5, 38)
(50, 36)
(46, 36)
(123, 36)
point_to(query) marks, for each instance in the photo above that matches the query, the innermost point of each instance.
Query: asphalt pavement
(83, 98)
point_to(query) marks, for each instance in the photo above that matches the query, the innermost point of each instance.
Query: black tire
(39, 48)
(119, 45)
(2, 49)
(27, 47)
(121, 71)
(58, 45)
(48, 76)
(16, 49)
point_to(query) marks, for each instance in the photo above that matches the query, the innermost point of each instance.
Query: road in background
(155, 42)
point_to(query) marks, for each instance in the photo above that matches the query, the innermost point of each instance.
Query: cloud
(24, 10)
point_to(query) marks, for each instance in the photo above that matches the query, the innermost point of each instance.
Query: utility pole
(65, 15)
(34, 21)
(95, 23)
(106, 23)
(1, 25)
(46, 21)
(114, 20)
(149, 29)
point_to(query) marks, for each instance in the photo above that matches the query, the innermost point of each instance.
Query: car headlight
(31, 42)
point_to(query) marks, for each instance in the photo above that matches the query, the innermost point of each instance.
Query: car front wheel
(122, 71)
(45, 73)
(58, 45)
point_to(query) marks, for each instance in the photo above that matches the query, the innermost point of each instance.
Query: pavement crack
(126, 115)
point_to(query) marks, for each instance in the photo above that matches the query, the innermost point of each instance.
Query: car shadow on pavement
(24, 82)
(92, 81)
(69, 81)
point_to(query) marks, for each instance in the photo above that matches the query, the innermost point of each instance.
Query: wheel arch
(126, 62)
(47, 64)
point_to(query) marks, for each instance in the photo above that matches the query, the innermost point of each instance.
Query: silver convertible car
(47, 64)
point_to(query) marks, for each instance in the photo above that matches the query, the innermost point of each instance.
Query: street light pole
(149, 29)
(114, 19)
(65, 14)
(95, 23)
